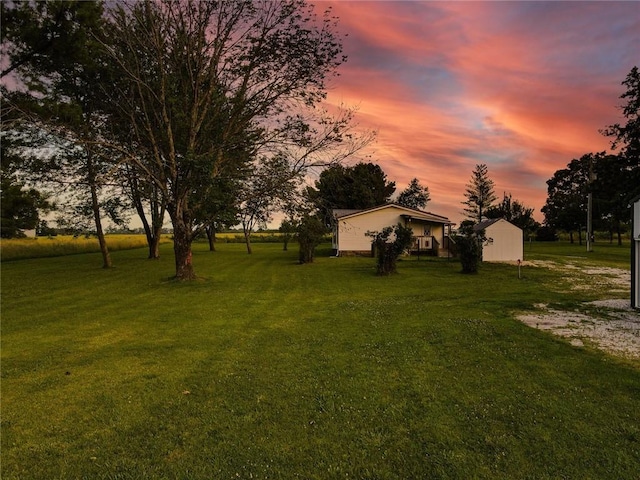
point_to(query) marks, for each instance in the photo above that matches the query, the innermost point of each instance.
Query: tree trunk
(247, 241)
(182, 250)
(157, 219)
(154, 243)
(571, 236)
(95, 207)
(619, 233)
(152, 231)
(211, 236)
(182, 238)
(106, 257)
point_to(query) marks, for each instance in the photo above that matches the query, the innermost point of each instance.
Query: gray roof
(487, 223)
(410, 212)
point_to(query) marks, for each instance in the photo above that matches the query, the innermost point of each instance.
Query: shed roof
(341, 213)
(487, 223)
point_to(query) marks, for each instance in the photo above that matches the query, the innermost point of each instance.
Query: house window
(427, 231)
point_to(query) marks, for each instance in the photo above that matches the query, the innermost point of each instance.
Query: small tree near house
(469, 247)
(387, 251)
(310, 233)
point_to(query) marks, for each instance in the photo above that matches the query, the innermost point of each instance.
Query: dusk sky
(521, 86)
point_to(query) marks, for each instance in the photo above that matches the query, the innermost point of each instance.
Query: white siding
(505, 244)
(636, 220)
(635, 272)
(352, 231)
(635, 256)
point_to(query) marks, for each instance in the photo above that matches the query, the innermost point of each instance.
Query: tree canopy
(414, 196)
(515, 212)
(625, 175)
(566, 204)
(363, 185)
(612, 179)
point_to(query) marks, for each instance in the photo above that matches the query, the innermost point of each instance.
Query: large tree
(198, 78)
(625, 175)
(20, 208)
(627, 136)
(20, 204)
(566, 205)
(414, 196)
(479, 194)
(515, 212)
(613, 180)
(363, 185)
(52, 47)
(616, 182)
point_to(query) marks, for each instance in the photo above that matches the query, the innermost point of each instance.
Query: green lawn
(268, 369)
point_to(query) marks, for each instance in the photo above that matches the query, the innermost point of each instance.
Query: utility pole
(590, 206)
(589, 226)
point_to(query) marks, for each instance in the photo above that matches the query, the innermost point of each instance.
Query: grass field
(268, 369)
(23, 248)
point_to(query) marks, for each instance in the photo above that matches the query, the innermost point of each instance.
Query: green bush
(311, 233)
(387, 252)
(469, 248)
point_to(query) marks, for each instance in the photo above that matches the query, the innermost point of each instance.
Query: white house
(504, 241)
(350, 228)
(635, 253)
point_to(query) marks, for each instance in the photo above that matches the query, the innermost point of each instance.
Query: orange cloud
(521, 86)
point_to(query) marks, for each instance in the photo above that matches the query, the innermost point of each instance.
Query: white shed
(635, 253)
(504, 241)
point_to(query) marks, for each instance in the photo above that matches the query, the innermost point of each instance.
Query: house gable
(411, 212)
(351, 227)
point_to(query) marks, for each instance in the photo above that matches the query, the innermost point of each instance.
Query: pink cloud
(521, 86)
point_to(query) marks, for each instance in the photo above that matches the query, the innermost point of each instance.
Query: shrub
(387, 252)
(469, 247)
(546, 234)
(310, 233)
(470, 250)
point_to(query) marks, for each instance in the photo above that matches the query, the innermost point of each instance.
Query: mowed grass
(603, 253)
(264, 368)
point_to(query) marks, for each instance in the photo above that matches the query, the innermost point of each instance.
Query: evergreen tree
(479, 193)
(414, 196)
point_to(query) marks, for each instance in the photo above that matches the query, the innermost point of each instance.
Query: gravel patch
(611, 325)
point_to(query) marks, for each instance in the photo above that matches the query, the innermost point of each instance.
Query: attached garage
(504, 241)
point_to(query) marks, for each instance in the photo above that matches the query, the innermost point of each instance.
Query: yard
(264, 368)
